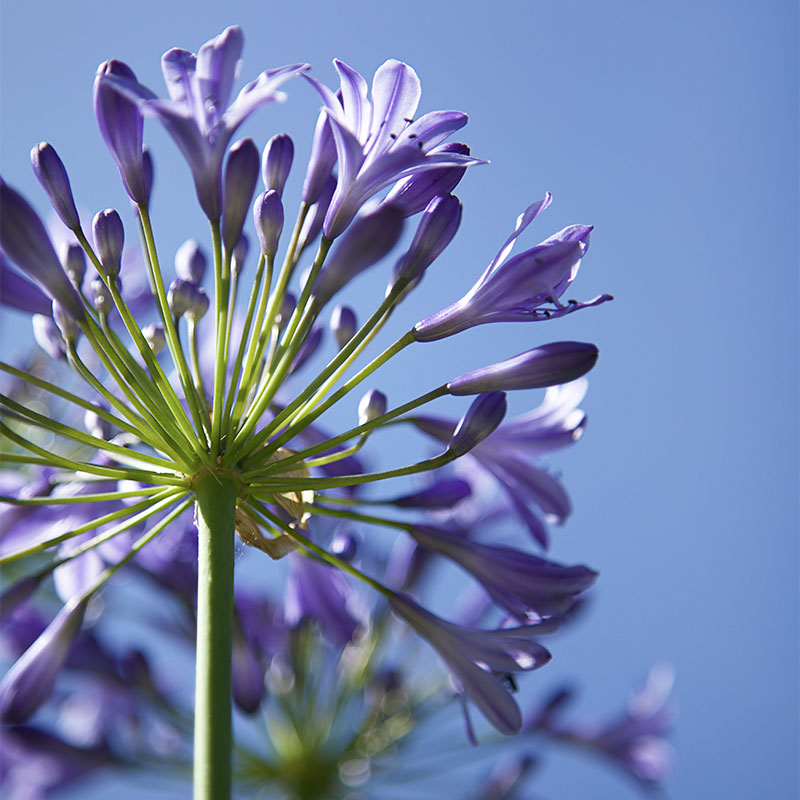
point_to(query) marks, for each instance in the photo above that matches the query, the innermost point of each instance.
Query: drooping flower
(377, 140)
(515, 290)
(477, 656)
(197, 114)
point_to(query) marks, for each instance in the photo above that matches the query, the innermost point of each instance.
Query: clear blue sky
(671, 127)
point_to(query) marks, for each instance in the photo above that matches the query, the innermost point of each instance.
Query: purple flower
(515, 290)
(475, 656)
(30, 681)
(548, 365)
(507, 453)
(442, 494)
(521, 583)
(268, 218)
(241, 175)
(52, 174)
(17, 292)
(377, 141)
(121, 126)
(277, 161)
(197, 114)
(24, 239)
(482, 417)
(316, 591)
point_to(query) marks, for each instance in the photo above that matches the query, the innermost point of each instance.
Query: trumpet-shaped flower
(197, 114)
(377, 140)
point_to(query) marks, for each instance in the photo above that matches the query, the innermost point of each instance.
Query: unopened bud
(276, 162)
(47, 336)
(371, 406)
(268, 217)
(154, 336)
(287, 307)
(320, 164)
(101, 297)
(74, 261)
(482, 417)
(198, 307)
(109, 237)
(52, 174)
(239, 255)
(241, 174)
(343, 325)
(66, 324)
(344, 546)
(190, 262)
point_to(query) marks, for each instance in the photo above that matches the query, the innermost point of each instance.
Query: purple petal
(396, 92)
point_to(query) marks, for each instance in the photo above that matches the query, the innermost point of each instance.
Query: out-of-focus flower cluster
(158, 387)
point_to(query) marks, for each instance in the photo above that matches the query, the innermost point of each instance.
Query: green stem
(215, 514)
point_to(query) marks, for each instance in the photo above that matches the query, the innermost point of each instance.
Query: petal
(216, 69)
(396, 92)
(357, 109)
(432, 128)
(18, 292)
(178, 68)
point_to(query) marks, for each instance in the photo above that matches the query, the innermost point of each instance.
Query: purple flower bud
(414, 193)
(109, 237)
(444, 494)
(239, 254)
(366, 241)
(31, 680)
(435, 231)
(372, 405)
(180, 296)
(287, 307)
(154, 336)
(277, 161)
(247, 675)
(96, 425)
(74, 261)
(47, 336)
(482, 417)
(101, 297)
(241, 174)
(548, 365)
(343, 325)
(323, 157)
(148, 172)
(309, 347)
(121, 125)
(190, 262)
(66, 324)
(24, 240)
(51, 173)
(344, 546)
(268, 217)
(316, 215)
(198, 306)
(17, 292)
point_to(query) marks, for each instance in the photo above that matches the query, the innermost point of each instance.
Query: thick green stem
(216, 512)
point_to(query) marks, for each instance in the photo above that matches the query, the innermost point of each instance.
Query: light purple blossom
(197, 114)
(377, 141)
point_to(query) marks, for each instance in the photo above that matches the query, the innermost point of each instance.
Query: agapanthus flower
(168, 399)
(197, 114)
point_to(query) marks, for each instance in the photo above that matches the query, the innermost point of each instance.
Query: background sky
(672, 128)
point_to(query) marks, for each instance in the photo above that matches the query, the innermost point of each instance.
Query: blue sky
(672, 128)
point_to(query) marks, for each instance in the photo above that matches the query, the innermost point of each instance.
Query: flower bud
(121, 125)
(344, 546)
(316, 215)
(101, 296)
(96, 425)
(239, 254)
(147, 173)
(31, 680)
(154, 336)
(320, 164)
(308, 348)
(47, 336)
(268, 217)
(74, 261)
(443, 494)
(343, 325)
(109, 237)
(277, 161)
(435, 231)
(287, 307)
(66, 324)
(371, 406)
(413, 193)
(482, 417)
(180, 296)
(198, 307)
(366, 241)
(51, 173)
(24, 239)
(548, 365)
(241, 174)
(17, 292)
(190, 262)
